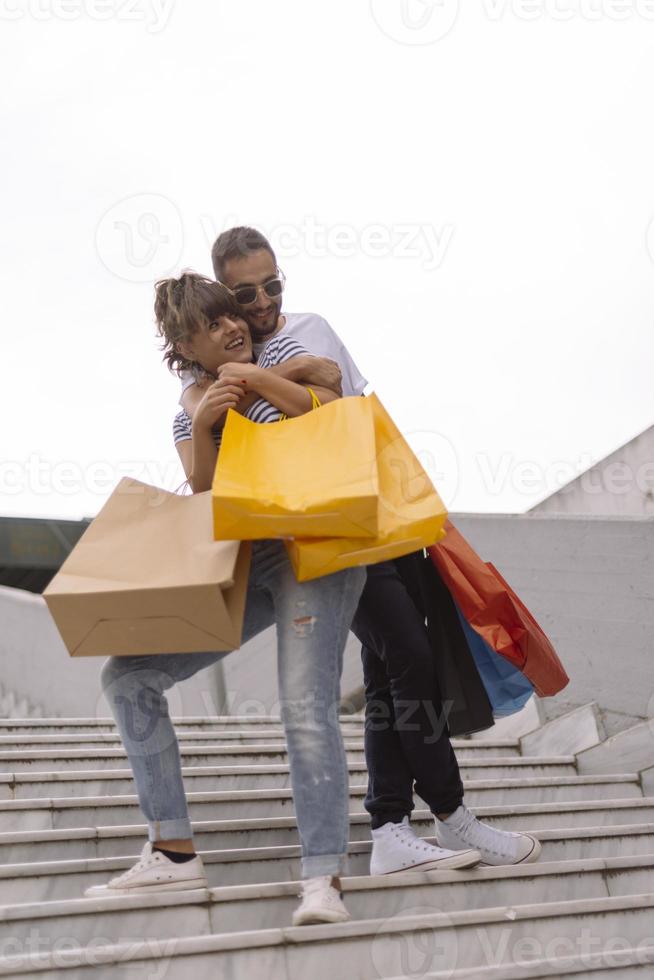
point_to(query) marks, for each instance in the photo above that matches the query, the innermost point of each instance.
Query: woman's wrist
(255, 379)
(200, 423)
(255, 375)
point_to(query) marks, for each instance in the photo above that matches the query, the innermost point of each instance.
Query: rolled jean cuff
(179, 829)
(324, 864)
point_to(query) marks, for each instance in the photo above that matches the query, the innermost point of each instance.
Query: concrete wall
(37, 672)
(589, 582)
(36, 668)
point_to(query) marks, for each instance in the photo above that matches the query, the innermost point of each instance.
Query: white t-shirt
(316, 335)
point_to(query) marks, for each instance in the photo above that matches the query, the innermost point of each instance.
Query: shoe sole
(172, 886)
(533, 855)
(459, 861)
(313, 919)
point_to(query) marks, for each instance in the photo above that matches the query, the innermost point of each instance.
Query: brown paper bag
(147, 578)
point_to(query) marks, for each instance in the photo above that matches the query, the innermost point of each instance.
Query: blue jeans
(313, 620)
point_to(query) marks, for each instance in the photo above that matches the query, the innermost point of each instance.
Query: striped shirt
(276, 351)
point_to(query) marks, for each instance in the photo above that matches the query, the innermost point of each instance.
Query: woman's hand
(242, 375)
(215, 403)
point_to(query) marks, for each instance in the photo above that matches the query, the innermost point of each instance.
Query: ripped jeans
(313, 620)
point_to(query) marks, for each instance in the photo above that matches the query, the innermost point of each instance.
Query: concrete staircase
(69, 818)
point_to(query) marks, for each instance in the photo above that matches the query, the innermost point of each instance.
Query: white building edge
(621, 484)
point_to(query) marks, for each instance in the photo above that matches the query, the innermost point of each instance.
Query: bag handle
(315, 403)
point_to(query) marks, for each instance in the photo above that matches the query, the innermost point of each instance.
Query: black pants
(406, 735)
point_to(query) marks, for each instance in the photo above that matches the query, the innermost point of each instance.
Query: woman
(222, 349)
(203, 331)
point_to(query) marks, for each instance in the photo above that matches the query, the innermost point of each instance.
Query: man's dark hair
(237, 243)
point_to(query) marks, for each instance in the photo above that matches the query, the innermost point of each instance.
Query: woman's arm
(198, 475)
(203, 459)
(325, 394)
(199, 454)
(323, 374)
(193, 395)
(290, 398)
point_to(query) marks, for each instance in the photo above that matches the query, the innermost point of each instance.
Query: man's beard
(257, 332)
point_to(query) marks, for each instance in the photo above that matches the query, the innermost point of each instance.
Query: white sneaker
(395, 847)
(321, 902)
(463, 829)
(153, 873)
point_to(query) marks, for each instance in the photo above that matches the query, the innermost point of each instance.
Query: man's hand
(322, 372)
(305, 369)
(215, 403)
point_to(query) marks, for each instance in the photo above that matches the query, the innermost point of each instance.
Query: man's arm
(306, 369)
(319, 372)
(192, 396)
(289, 397)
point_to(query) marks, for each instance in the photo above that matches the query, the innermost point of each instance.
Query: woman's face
(224, 340)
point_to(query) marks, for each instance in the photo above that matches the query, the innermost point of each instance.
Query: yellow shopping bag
(411, 513)
(314, 475)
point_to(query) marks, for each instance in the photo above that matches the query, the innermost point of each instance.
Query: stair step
(619, 964)
(573, 731)
(109, 782)
(107, 740)
(204, 722)
(270, 906)
(49, 880)
(80, 758)
(111, 841)
(365, 949)
(55, 813)
(69, 818)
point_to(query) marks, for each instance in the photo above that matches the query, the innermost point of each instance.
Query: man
(404, 747)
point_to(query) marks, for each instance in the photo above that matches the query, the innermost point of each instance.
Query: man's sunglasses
(247, 295)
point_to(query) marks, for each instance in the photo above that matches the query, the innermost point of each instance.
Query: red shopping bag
(495, 612)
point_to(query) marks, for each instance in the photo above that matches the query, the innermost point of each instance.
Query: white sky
(512, 157)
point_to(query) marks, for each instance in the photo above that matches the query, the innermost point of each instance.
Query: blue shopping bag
(507, 687)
